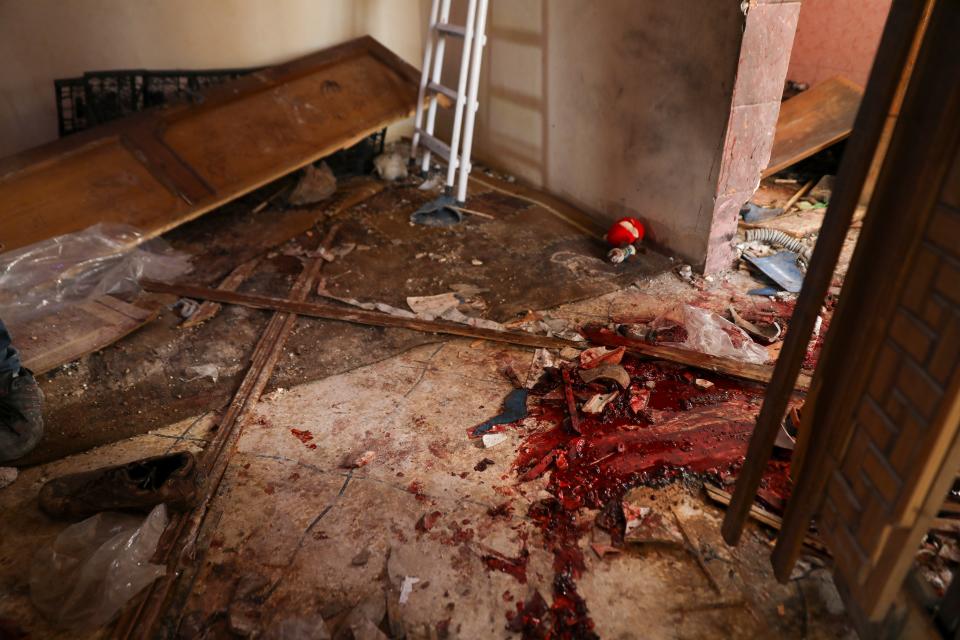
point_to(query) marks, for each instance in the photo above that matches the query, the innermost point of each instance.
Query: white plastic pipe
(427, 51)
(461, 94)
(435, 77)
(472, 103)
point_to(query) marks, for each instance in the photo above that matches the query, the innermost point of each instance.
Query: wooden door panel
(163, 167)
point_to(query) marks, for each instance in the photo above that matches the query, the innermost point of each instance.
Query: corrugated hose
(779, 238)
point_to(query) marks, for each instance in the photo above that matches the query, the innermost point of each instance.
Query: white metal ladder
(464, 97)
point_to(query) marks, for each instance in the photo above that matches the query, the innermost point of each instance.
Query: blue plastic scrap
(781, 268)
(514, 408)
(755, 213)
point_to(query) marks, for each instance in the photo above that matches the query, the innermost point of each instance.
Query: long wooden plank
(56, 339)
(812, 121)
(358, 316)
(726, 366)
(163, 167)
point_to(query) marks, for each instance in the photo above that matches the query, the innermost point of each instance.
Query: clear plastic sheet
(709, 333)
(77, 267)
(95, 566)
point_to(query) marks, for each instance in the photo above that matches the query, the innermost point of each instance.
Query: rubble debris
(612, 372)
(407, 588)
(94, 567)
(433, 183)
(391, 165)
(316, 184)
(647, 525)
(208, 370)
(640, 398)
(427, 521)
(138, 485)
(596, 356)
(361, 558)
(432, 307)
(767, 332)
(493, 439)
(781, 268)
(597, 403)
(514, 408)
(700, 383)
(483, 464)
(571, 402)
(685, 272)
(355, 460)
(543, 359)
(516, 567)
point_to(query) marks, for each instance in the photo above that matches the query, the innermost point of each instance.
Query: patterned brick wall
(878, 500)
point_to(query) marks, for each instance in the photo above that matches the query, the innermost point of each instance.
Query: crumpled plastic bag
(709, 333)
(76, 267)
(95, 566)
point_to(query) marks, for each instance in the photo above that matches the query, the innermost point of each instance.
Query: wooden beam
(727, 366)
(358, 316)
(180, 536)
(892, 54)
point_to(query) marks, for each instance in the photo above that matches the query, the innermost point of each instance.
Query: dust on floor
(299, 535)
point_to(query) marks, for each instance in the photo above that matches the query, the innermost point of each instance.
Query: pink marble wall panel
(762, 69)
(837, 37)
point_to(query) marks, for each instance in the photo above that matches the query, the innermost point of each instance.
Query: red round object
(625, 231)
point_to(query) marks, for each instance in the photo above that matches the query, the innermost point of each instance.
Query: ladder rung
(438, 147)
(451, 29)
(439, 88)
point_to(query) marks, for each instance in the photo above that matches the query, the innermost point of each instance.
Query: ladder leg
(435, 77)
(424, 75)
(461, 94)
(472, 105)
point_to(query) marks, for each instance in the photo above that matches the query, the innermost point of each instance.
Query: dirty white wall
(41, 40)
(620, 107)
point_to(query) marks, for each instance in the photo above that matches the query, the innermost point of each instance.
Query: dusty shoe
(21, 414)
(140, 485)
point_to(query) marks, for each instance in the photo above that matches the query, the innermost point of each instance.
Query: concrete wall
(41, 40)
(618, 106)
(837, 37)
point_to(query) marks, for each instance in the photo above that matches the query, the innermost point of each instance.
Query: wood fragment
(54, 339)
(695, 552)
(207, 310)
(761, 515)
(796, 196)
(571, 401)
(727, 366)
(812, 121)
(357, 316)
